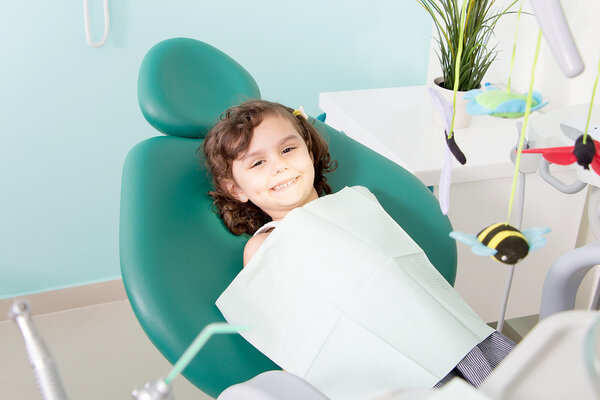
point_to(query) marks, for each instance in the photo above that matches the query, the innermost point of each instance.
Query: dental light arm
(544, 168)
(550, 16)
(575, 187)
(594, 212)
(567, 272)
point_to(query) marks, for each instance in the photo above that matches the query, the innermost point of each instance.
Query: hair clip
(300, 111)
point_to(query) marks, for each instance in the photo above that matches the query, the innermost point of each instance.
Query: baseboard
(515, 329)
(69, 298)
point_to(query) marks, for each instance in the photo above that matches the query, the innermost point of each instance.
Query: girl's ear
(235, 191)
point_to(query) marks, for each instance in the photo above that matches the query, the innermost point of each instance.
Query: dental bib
(341, 296)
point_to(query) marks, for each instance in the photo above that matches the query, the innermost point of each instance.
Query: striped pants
(481, 360)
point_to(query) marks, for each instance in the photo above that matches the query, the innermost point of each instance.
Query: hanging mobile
(504, 242)
(585, 150)
(449, 133)
(498, 102)
(584, 153)
(447, 113)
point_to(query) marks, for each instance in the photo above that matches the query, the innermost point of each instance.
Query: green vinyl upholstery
(177, 256)
(184, 85)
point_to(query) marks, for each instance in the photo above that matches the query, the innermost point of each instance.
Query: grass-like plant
(481, 19)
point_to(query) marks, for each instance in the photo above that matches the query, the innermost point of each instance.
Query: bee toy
(504, 242)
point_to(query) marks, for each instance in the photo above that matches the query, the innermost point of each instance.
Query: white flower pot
(462, 119)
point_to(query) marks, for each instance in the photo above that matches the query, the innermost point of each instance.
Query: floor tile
(101, 353)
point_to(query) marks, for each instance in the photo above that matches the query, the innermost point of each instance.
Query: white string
(86, 17)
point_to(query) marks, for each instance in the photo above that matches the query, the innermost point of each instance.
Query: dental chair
(176, 254)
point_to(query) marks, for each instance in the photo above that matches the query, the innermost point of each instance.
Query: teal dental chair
(176, 255)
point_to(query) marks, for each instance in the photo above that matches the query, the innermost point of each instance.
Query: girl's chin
(287, 205)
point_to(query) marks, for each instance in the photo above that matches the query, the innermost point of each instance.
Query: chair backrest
(177, 256)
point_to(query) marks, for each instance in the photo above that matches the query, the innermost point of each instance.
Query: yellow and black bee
(503, 242)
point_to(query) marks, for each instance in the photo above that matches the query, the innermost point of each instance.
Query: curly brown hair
(231, 137)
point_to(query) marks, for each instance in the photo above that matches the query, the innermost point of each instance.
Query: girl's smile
(284, 185)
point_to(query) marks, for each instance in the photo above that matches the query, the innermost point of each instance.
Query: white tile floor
(101, 352)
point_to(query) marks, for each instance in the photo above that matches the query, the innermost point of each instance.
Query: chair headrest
(184, 85)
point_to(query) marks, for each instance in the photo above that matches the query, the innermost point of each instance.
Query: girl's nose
(279, 167)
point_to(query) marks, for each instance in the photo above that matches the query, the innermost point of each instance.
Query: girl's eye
(287, 149)
(257, 163)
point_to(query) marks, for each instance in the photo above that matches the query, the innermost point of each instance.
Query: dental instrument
(44, 368)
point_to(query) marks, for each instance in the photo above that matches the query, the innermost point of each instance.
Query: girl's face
(276, 173)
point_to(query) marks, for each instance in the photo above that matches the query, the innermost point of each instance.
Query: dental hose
(198, 343)
(160, 389)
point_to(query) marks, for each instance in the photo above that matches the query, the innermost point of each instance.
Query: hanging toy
(455, 150)
(504, 242)
(500, 103)
(444, 109)
(447, 113)
(583, 152)
(503, 103)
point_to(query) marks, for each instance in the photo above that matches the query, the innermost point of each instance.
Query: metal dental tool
(42, 362)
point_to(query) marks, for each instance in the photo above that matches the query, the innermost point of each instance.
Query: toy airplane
(584, 154)
(500, 103)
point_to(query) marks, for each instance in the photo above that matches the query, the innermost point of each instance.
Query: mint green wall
(69, 114)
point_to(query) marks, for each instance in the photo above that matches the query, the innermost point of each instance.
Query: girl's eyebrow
(258, 152)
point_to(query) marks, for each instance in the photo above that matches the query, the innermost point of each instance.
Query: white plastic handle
(551, 18)
(86, 17)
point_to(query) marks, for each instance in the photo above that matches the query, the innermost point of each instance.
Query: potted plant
(477, 56)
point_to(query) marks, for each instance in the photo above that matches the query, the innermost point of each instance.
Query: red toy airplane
(583, 154)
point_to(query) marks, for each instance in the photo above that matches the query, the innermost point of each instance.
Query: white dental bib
(341, 296)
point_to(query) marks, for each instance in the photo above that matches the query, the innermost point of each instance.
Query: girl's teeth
(284, 185)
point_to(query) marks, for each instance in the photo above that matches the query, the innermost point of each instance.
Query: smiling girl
(266, 159)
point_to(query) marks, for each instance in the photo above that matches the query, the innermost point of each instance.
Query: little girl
(267, 159)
